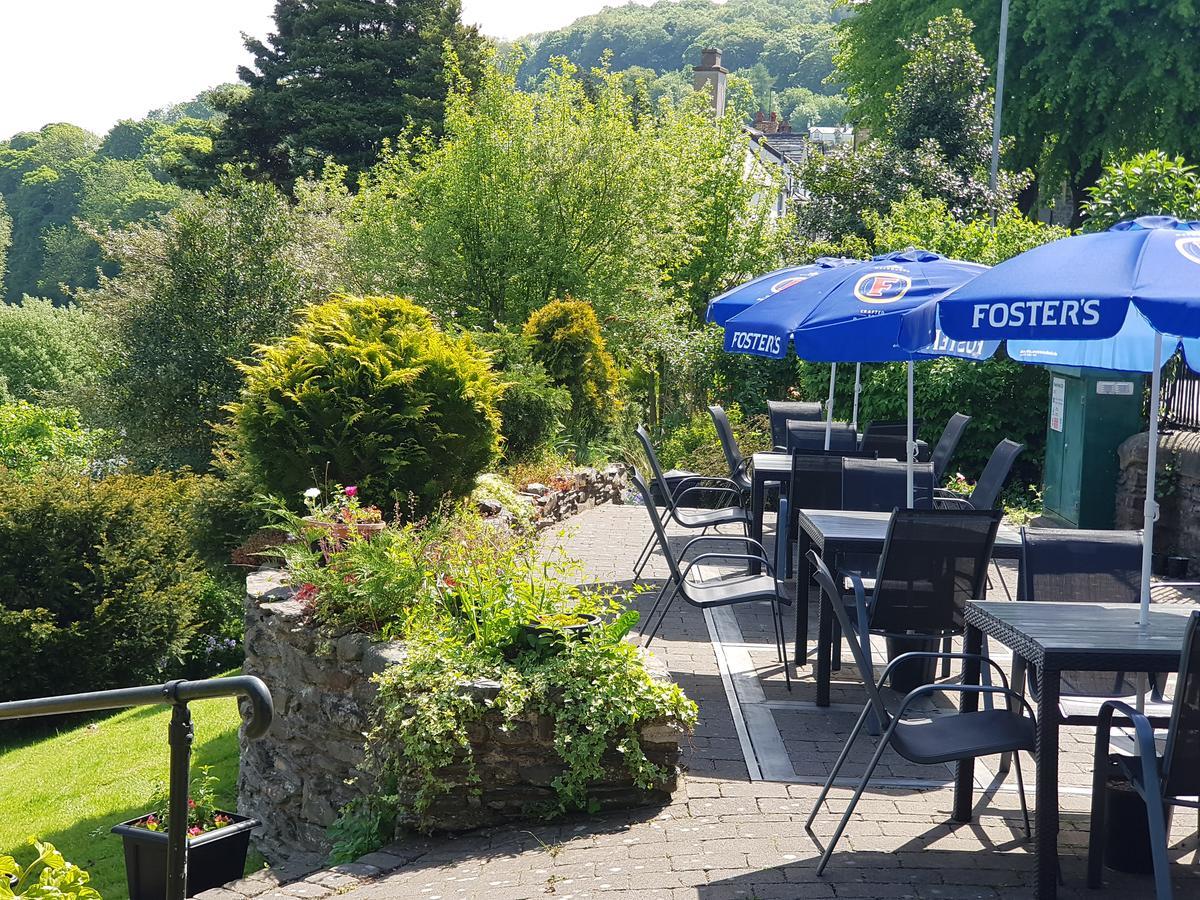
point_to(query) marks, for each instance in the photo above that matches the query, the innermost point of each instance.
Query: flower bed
(443, 675)
(312, 763)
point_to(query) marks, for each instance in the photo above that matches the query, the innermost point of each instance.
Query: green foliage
(50, 352)
(99, 581)
(49, 875)
(695, 446)
(338, 77)
(5, 242)
(369, 392)
(791, 41)
(195, 293)
(34, 437)
(597, 692)
(935, 140)
(1147, 184)
(916, 221)
(532, 406)
(1084, 82)
(570, 191)
(565, 339)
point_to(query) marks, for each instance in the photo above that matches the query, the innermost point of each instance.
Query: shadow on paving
(923, 866)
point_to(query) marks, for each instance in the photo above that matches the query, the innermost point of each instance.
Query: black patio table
(1057, 637)
(770, 467)
(835, 532)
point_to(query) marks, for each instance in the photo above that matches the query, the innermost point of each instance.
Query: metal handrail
(179, 736)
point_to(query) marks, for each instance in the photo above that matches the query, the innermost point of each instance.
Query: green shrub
(32, 437)
(1147, 184)
(531, 406)
(48, 351)
(368, 392)
(566, 340)
(99, 581)
(49, 875)
(696, 447)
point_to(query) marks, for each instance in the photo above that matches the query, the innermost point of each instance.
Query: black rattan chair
(991, 482)
(1170, 780)
(811, 436)
(927, 740)
(882, 485)
(675, 505)
(1069, 565)
(943, 451)
(733, 454)
(720, 592)
(780, 412)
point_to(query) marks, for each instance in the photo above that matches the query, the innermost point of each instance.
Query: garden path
(735, 829)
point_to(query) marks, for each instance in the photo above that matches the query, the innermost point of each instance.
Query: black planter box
(214, 858)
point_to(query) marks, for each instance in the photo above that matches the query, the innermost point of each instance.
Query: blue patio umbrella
(748, 293)
(852, 314)
(1133, 292)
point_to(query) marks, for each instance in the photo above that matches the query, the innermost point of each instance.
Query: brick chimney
(710, 76)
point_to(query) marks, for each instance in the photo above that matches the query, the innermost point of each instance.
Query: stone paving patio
(754, 768)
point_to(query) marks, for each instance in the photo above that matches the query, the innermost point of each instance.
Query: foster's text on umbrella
(1047, 313)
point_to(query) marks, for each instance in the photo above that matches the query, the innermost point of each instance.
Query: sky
(92, 62)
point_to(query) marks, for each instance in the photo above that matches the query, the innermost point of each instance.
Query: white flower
(312, 493)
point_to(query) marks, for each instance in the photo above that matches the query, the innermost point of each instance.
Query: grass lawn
(71, 787)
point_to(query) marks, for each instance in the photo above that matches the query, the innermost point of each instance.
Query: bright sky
(92, 63)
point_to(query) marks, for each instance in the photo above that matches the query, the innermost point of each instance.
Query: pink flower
(195, 830)
(351, 491)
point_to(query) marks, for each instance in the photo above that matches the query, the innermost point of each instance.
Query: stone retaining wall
(1178, 476)
(308, 766)
(591, 488)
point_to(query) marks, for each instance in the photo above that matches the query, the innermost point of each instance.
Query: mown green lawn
(70, 788)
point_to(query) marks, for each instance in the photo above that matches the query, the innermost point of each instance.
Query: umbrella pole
(1151, 505)
(829, 404)
(857, 389)
(910, 445)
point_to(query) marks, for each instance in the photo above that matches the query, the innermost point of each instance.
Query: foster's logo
(882, 287)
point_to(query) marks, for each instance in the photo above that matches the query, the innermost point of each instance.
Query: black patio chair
(675, 506)
(811, 436)
(720, 592)
(887, 439)
(933, 562)
(943, 451)
(816, 483)
(733, 454)
(926, 740)
(986, 494)
(882, 485)
(1170, 780)
(780, 412)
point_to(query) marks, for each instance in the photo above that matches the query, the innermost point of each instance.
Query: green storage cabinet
(1092, 412)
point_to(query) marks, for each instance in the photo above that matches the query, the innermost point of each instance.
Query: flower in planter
(202, 813)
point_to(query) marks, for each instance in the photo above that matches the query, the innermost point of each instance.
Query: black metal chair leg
(666, 609)
(837, 766)
(858, 792)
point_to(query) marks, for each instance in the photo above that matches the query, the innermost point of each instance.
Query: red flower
(191, 803)
(351, 491)
(307, 593)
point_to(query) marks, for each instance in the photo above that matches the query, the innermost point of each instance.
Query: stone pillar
(1178, 488)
